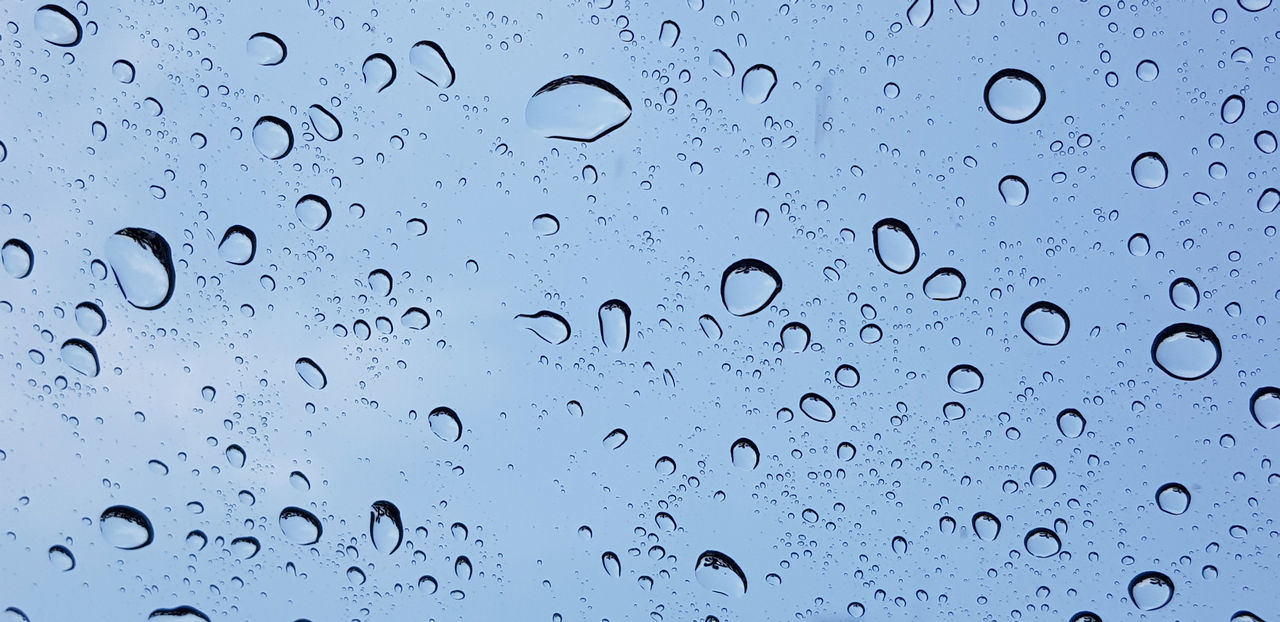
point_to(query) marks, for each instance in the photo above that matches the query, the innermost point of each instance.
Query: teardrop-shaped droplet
(1013, 95)
(17, 258)
(90, 318)
(386, 531)
(847, 376)
(300, 526)
(579, 108)
(964, 379)
(758, 83)
(58, 26)
(817, 408)
(1186, 351)
(245, 547)
(1046, 323)
(183, 613)
(895, 245)
(545, 224)
(1184, 294)
(80, 355)
(1173, 498)
(721, 64)
(313, 212)
(744, 454)
(143, 266)
(1149, 170)
(356, 576)
(615, 439)
(669, 33)
(615, 324)
(612, 565)
(125, 527)
(1232, 109)
(235, 455)
(378, 71)
(311, 373)
(462, 568)
(1042, 542)
(266, 49)
(1150, 590)
(1264, 405)
(429, 60)
(986, 526)
(61, 558)
(273, 137)
(1013, 190)
(748, 286)
(720, 574)
(794, 337)
(944, 284)
(548, 326)
(445, 424)
(238, 245)
(1043, 475)
(919, 12)
(324, 123)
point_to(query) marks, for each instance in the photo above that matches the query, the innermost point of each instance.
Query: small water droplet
(1264, 405)
(428, 584)
(795, 337)
(311, 373)
(615, 439)
(1150, 590)
(123, 71)
(578, 108)
(272, 137)
(612, 565)
(847, 376)
(1013, 95)
(895, 245)
(299, 481)
(61, 558)
(1046, 323)
(744, 454)
(1265, 141)
(721, 64)
(429, 60)
(1147, 70)
(669, 33)
(545, 224)
(79, 355)
(415, 319)
(1071, 423)
(1186, 351)
(125, 527)
(378, 71)
(1139, 245)
(245, 547)
(1173, 498)
(17, 258)
(1232, 109)
(313, 212)
(548, 326)
(665, 466)
(266, 49)
(462, 568)
(1184, 294)
(143, 266)
(445, 424)
(300, 526)
(90, 318)
(1043, 475)
(720, 574)
(58, 26)
(748, 286)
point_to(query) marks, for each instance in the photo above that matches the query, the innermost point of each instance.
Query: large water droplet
(300, 526)
(548, 326)
(1042, 542)
(445, 424)
(1149, 170)
(125, 527)
(615, 439)
(324, 123)
(17, 258)
(58, 26)
(1254, 5)
(817, 408)
(90, 318)
(720, 574)
(143, 266)
(1150, 590)
(964, 379)
(266, 49)
(545, 224)
(245, 547)
(919, 13)
(1186, 351)
(795, 337)
(1269, 200)
(385, 529)
(1184, 294)
(744, 454)
(1264, 405)
(311, 373)
(1043, 475)
(462, 568)
(944, 284)
(238, 245)
(1232, 109)
(1046, 323)
(123, 71)
(313, 212)
(61, 558)
(615, 324)
(581, 108)
(428, 59)
(612, 565)
(847, 376)
(758, 83)
(1071, 423)
(1013, 95)
(748, 286)
(720, 63)
(79, 355)
(895, 245)
(1173, 498)
(1013, 190)
(986, 526)
(669, 33)
(183, 613)
(273, 137)
(378, 71)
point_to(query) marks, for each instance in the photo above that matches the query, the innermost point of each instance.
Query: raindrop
(758, 83)
(1148, 70)
(847, 376)
(1265, 141)
(1149, 170)
(90, 318)
(1265, 407)
(445, 424)
(710, 327)
(944, 284)
(143, 266)
(665, 466)
(615, 324)
(545, 224)
(196, 540)
(273, 137)
(428, 584)
(1150, 590)
(669, 33)
(1254, 6)
(1269, 200)
(899, 545)
(721, 64)
(300, 526)
(1186, 351)
(324, 123)
(795, 337)
(1184, 294)
(1071, 423)
(612, 565)
(846, 451)
(720, 574)
(238, 245)
(415, 319)
(235, 455)
(817, 408)
(182, 613)
(895, 245)
(313, 212)
(61, 558)
(1013, 190)
(1046, 323)
(462, 568)
(1173, 498)
(311, 373)
(1232, 109)
(428, 59)
(744, 454)
(1042, 542)
(579, 108)
(748, 286)
(548, 326)
(378, 71)
(964, 379)
(920, 12)
(125, 527)
(385, 529)
(1139, 245)
(246, 547)
(953, 411)
(986, 526)
(299, 481)
(1043, 475)
(266, 49)
(615, 439)
(14, 614)
(17, 258)
(58, 26)
(1013, 95)
(380, 282)
(355, 576)
(123, 71)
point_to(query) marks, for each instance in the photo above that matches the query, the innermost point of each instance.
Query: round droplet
(311, 373)
(1147, 70)
(313, 212)
(266, 49)
(615, 439)
(1042, 542)
(184, 613)
(669, 33)
(428, 584)
(720, 574)
(61, 558)
(1186, 351)
(245, 547)
(986, 526)
(1139, 245)
(17, 258)
(548, 326)
(1265, 407)
(58, 26)
(445, 424)
(944, 284)
(1184, 294)
(1232, 109)
(847, 376)
(386, 531)
(953, 411)
(123, 71)
(895, 245)
(758, 83)
(964, 379)
(238, 245)
(615, 324)
(1013, 95)
(1173, 498)
(355, 576)
(380, 282)
(579, 108)
(378, 71)
(1046, 323)
(125, 527)
(545, 224)
(1071, 423)
(795, 337)
(1086, 616)
(90, 318)
(273, 137)
(300, 526)
(744, 454)
(415, 319)
(817, 408)
(1013, 190)
(143, 266)
(748, 286)
(1265, 141)
(1043, 475)
(324, 123)
(665, 466)
(1149, 170)
(1150, 590)
(428, 59)
(80, 356)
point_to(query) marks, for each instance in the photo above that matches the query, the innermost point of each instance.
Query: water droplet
(355, 576)
(379, 72)
(1046, 323)
(545, 224)
(299, 481)
(817, 408)
(744, 454)
(720, 574)
(669, 34)
(324, 123)
(90, 318)
(182, 613)
(964, 379)
(1149, 170)
(1086, 616)
(313, 212)
(266, 49)
(899, 545)
(300, 526)
(1139, 245)
(1071, 423)
(61, 558)
(795, 337)
(615, 324)
(1254, 5)
(245, 547)
(1013, 190)
(1186, 351)
(1013, 95)
(123, 71)
(748, 286)
(895, 245)
(847, 376)
(429, 60)
(1148, 70)
(273, 137)
(428, 584)
(1265, 141)
(235, 455)
(80, 356)
(143, 266)
(665, 466)
(196, 540)
(758, 83)
(1232, 109)
(919, 13)
(14, 614)
(944, 284)
(612, 565)
(1173, 498)
(415, 319)
(1150, 590)
(462, 568)
(238, 245)
(721, 64)
(1043, 475)
(125, 527)
(380, 282)
(615, 439)
(548, 326)
(579, 108)
(1265, 407)
(986, 526)
(445, 424)
(17, 258)
(953, 411)
(385, 529)
(1184, 294)
(1042, 542)
(58, 26)
(311, 373)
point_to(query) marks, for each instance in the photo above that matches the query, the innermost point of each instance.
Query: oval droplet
(986, 526)
(1186, 351)
(545, 224)
(80, 356)
(273, 137)
(1013, 190)
(895, 245)
(578, 108)
(300, 526)
(758, 83)
(1150, 590)
(311, 373)
(428, 584)
(1184, 294)
(1043, 475)
(1046, 323)
(123, 71)
(748, 286)
(795, 337)
(1013, 95)
(847, 376)
(266, 49)
(548, 326)
(462, 568)
(429, 60)
(744, 454)
(1149, 170)
(235, 455)
(125, 528)
(1269, 200)
(386, 531)
(143, 266)
(817, 408)
(1232, 109)
(238, 245)
(919, 13)
(445, 424)
(324, 123)
(245, 547)
(1071, 423)
(61, 558)
(58, 26)
(1139, 245)
(615, 324)
(615, 439)
(669, 33)
(313, 212)
(944, 284)
(964, 379)
(18, 258)
(721, 64)
(90, 318)
(720, 574)
(378, 71)
(1264, 405)
(415, 319)
(1147, 70)
(1042, 542)
(1173, 498)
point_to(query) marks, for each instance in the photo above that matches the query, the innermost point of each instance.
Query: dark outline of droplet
(134, 516)
(940, 272)
(808, 335)
(719, 558)
(749, 444)
(663, 26)
(1020, 75)
(811, 395)
(26, 248)
(204, 539)
(67, 14)
(415, 311)
(87, 347)
(1151, 574)
(1175, 487)
(1086, 616)
(384, 58)
(1052, 308)
(589, 81)
(1254, 398)
(1133, 168)
(610, 556)
(324, 378)
(453, 75)
(626, 317)
(328, 211)
(65, 551)
(836, 375)
(553, 219)
(294, 511)
(973, 522)
(457, 563)
(389, 510)
(1195, 288)
(754, 67)
(288, 131)
(284, 49)
(1026, 189)
(435, 585)
(257, 546)
(725, 56)
(1223, 109)
(324, 111)
(617, 431)
(1042, 532)
(749, 265)
(926, 17)
(568, 331)
(966, 367)
(902, 227)
(445, 411)
(177, 612)
(159, 247)
(246, 232)
(1188, 328)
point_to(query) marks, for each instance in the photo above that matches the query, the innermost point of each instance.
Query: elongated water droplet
(669, 33)
(1186, 351)
(266, 49)
(235, 455)
(895, 245)
(17, 258)
(1264, 405)
(386, 531)
(429, 60)
(795, 337)
(445, 424)
(61, 558)
(245, 547)
(1232, 109)
(817, 408)
(1046, 323)
(1013, 95)
(324, 123)
(920, 12)
(273, 137)
(579, 108)
(986, 526)
(545, 224)
(1184, 294)
(299, 481)
(615, 324)
(944, 284)
(313, 212)
(1173, 498)
(311, 373)
(378, 71)
(710, 327)
(721, 64)
(758, 83)
(183, 613)
(238, 245)
(548, 326)
(720, 574)
(744, 454)
(80, 356)
(748, 286)
(1042, 542)
(1150, 590)
(612, 565)
(1265, 141)
(300, 526)
(143, 266)
(90, 318)
(58, 26)
(1149, 170)
(125, 528)
(615, 439)
(964, 379)
(462, 568)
